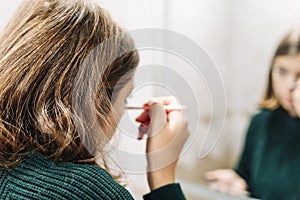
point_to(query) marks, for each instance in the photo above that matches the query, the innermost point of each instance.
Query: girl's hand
(167, 132)
(226, 181)
(296, 98)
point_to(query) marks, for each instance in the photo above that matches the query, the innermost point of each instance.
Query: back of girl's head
(60, 62)
(289, 45)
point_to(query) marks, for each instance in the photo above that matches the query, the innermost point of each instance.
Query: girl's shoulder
(65, 180)
(268, 114)
(262, 114)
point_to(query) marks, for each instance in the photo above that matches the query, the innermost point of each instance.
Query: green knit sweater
(42, 179)
(270, 162)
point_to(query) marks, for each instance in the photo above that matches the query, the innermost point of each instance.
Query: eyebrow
(279, 65)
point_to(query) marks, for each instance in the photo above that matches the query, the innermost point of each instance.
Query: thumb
(158, 118)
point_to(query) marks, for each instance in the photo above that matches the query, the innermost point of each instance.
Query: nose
(291, 81)
(292, 85)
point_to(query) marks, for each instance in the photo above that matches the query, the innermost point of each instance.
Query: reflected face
(120, 102)
(285, 73)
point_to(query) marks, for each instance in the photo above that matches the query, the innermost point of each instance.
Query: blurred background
(238, 36)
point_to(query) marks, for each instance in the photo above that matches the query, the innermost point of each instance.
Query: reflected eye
(282, 71)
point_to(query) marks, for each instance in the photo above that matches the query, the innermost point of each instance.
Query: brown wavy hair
(61, 63)
(289, 45)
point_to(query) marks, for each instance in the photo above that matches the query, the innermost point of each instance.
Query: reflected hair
(61, 61)
(289, 45)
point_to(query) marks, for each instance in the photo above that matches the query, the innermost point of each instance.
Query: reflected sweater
(42, 179)
(270, 162)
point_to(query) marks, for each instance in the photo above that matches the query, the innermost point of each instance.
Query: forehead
(288, 62)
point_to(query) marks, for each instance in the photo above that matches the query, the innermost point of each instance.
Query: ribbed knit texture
(171, 191)
(270, 162)
(40, 179)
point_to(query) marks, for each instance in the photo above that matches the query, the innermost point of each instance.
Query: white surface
(202, 192)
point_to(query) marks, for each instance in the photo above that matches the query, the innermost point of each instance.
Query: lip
(289, 100)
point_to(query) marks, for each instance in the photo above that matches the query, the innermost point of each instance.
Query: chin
(290, 110)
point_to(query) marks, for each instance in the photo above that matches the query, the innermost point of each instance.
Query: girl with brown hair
(65, 71)
(269, 167)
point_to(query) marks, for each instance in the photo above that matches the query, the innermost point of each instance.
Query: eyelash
(281, 71)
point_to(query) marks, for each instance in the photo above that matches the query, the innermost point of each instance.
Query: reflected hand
(226, 181)
(296, 98)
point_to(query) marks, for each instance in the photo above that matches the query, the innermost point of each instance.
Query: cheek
(275, 86)
(278, 85)
(118, 109)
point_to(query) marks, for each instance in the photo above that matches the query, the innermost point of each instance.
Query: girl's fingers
(215, 174)
(209, 176)
(158, 118)
(166, 101)
(143, 129)
(154, 110)
(143, 117)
